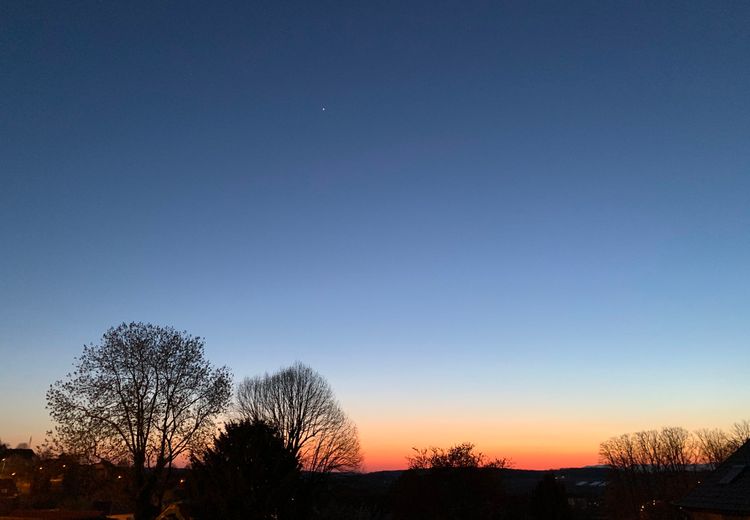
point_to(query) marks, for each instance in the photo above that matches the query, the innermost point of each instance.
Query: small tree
(458, 456)
(448, 484)
(300, 404)
(248, 473)
(146, 393)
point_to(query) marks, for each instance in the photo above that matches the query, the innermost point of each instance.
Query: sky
(524, 225)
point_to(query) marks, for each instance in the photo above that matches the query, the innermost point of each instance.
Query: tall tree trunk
(143, 490)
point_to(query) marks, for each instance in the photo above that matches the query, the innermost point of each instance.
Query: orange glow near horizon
(530, 445)
(534, 461)
(520, 457)
(531, 440)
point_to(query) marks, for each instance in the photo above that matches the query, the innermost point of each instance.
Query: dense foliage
(248, 473)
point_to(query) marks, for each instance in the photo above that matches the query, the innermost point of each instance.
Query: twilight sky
(521, 224)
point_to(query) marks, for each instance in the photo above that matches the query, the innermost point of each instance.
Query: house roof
(53, 514)
(25, 453)
(726, 489)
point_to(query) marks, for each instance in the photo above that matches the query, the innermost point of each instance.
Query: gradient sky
(522, 224)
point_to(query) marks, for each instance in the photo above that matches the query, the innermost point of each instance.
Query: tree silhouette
(739, 434)
(713, 446)
(549, 500)
(247, 474)
(454, 483)
(648, 467)
(300, 404)
(458, 456)
(145, 392)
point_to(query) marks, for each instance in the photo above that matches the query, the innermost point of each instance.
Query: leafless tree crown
(458, 456)
(656, 465)
(299, 402)
(673, 449)
(144, 392)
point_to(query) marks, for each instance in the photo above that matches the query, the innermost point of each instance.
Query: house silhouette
(723, 493)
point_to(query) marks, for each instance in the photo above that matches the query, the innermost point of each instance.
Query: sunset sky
(520, 224)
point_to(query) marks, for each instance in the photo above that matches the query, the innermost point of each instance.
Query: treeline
(461, 483)
(145, 397)
(673, 448)
(249, 474)
(651, 469)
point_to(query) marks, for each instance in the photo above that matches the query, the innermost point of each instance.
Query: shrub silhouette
(453, 484)
(247, 474)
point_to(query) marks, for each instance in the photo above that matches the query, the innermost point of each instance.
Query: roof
(53, 514)
(25, 453)
(726, 489)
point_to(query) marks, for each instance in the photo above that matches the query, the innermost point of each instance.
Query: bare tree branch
(145, 394)
(301, 405)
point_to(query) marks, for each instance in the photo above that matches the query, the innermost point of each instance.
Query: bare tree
(739, 434)
(713, 446)
(458, 456)
(677, 448)
(300, 404)
(147, 393)
(669, 450)
(649, 466)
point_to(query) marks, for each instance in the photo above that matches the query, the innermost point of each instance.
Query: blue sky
(505, 207)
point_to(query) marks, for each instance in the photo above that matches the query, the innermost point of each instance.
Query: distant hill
(586, 480)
